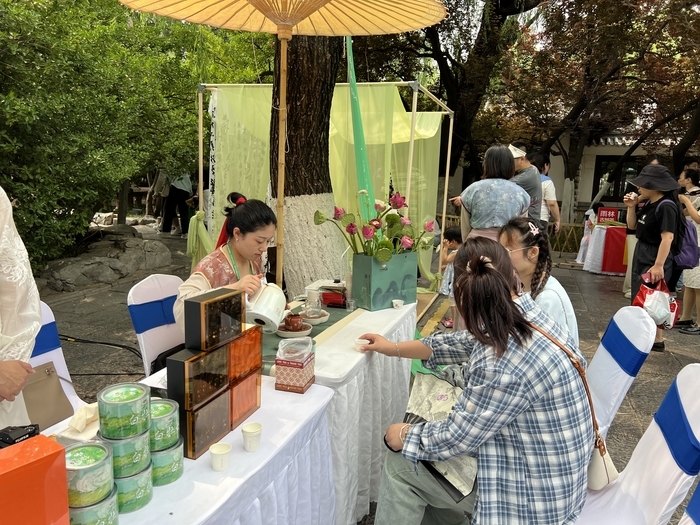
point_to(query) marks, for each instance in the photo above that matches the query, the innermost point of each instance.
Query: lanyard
(233, 262)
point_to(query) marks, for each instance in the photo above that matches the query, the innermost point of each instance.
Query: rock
(156, 254)
(41, 283)
(132, 222)
(113, 233)
(103, 218)
(147, 220)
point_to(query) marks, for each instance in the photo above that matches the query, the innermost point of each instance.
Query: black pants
(176, 201)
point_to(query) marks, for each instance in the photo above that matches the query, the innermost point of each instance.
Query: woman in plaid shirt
(523, 412)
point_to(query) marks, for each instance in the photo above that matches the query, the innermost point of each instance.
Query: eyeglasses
(517, 249)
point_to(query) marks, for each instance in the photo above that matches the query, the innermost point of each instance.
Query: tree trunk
(310, 252)
(123, 202)
(689, 137)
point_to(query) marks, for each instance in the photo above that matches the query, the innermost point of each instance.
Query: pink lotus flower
(376, 223)
(406, 242)
(429, 226)
(397, 201)
(351, 228)
(405, 221)
(368, 232)
(338, 213)
(379, 207)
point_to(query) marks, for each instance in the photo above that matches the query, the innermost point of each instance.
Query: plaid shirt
(525, 416)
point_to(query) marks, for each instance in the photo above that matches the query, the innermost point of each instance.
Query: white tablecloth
(371, 392)
(289, 480)
(596, 251)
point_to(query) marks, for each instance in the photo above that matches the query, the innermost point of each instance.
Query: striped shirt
(525, 416)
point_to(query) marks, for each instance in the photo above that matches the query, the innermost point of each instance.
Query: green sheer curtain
(242, 126)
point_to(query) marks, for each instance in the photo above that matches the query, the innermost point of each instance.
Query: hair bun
(479, 265)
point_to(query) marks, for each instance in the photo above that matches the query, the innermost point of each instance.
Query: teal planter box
(375, 284)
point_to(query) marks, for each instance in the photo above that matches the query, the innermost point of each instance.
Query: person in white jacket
(20, 318)
(528, 247)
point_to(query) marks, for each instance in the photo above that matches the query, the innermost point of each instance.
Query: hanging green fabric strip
(364, 178)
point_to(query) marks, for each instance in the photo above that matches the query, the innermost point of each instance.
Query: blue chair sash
(693, 508)
(147, 316)
(46, 340)
(681, 441)
(622, 350)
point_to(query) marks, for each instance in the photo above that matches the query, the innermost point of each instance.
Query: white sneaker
(184, 236)
(628, 295)
(176, 231)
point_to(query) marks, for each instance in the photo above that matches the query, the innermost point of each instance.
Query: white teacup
(220, 453)
(251, 436)
(397, 303)
(359, 343)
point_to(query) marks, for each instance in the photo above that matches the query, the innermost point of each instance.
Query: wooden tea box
(206, 425)
(295, 376)
(245, 397)
(194, 377)
(245, 353)
(213, 318)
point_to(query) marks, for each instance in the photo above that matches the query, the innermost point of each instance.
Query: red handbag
(657, 301)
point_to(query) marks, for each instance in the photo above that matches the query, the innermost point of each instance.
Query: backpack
(686, 253)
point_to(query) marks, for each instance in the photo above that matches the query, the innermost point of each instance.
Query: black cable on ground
(114, 345)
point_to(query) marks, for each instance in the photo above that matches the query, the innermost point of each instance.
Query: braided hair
(527, 233)
(484, 285)
(247, 215)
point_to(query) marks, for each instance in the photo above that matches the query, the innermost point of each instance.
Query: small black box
(213, 318)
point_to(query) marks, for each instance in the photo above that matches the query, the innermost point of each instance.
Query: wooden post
(123, 201)
(284, 35)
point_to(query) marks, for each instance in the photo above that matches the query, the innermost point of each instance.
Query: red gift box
(295, 376)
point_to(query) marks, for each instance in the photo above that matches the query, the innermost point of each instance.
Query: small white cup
(359, 343)
(251, 436)
(313, 295)
(220, 454)
(397, 304)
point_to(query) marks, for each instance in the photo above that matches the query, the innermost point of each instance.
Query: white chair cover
(691, 516)
(662, 467)
(150, 305)
(621, 353)
(47, 347)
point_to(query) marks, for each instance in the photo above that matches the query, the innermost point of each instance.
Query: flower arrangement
(386, 234)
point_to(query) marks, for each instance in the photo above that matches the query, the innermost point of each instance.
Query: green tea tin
(89, 473)
(125, 410)
(103, 513)
(129, 455)
(168, 465)
(165, 424)
(135, 491)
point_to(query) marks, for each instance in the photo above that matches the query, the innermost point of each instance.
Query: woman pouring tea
(236, 262)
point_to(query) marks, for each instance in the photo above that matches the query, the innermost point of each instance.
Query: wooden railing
(567, 240)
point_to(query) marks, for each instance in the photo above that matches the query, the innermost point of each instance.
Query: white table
(371, 392)
(596, 252)
(289, 480)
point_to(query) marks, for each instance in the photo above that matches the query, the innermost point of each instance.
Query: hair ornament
(534, 230)
(487, 262)
(240, 201)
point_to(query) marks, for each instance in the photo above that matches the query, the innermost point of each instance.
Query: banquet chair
(150, 305)
(621, 353)
(47, 348)
(663, 466)
(691, 516)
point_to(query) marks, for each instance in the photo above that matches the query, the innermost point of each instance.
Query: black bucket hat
(655, 177)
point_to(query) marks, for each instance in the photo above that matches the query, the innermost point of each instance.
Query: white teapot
(267, 308)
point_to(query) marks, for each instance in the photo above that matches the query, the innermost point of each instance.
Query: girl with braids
(236, 261)
(523, 411)
(528, 248)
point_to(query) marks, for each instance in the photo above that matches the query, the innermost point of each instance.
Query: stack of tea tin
(165, 442)
(92, 494)
(125, 425)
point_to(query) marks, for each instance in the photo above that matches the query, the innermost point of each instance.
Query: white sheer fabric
(371, 392)
(608, 382)
(20, 315)
(652, 485)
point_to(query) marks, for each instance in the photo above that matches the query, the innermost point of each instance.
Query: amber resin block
(213, 318)
(245, 353)
(245, 397)
(206, 425)
(195, 377)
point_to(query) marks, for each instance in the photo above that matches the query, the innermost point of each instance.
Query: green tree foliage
(91, 94)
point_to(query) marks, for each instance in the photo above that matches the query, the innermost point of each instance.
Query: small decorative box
(213, 318)
(206, 425)
(195, 377)
(245, 397)
(245, 353)
(295, 376)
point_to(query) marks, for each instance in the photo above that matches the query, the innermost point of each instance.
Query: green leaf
(347, 219)
(319, 217)
(383, 255)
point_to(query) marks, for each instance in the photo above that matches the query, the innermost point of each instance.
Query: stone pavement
(99, 314)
